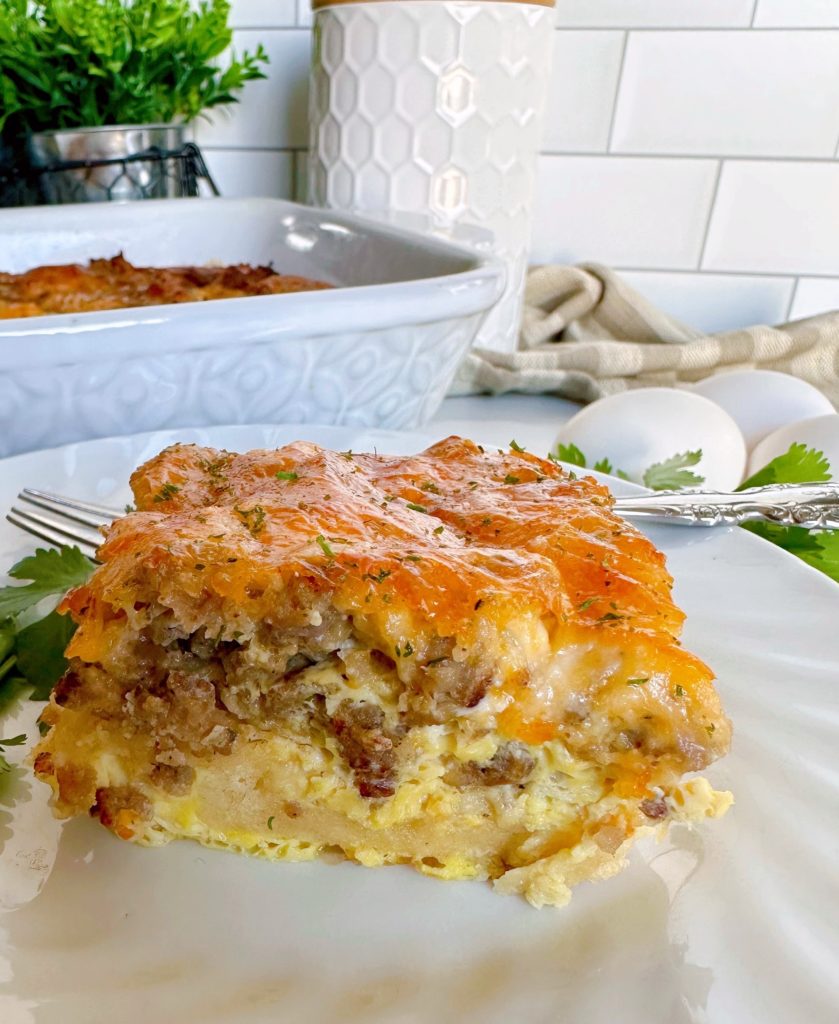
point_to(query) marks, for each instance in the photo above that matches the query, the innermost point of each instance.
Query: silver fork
(60, 520)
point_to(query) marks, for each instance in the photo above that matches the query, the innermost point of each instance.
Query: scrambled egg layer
(284, 798)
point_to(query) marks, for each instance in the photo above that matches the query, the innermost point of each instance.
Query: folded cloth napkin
(585, 333)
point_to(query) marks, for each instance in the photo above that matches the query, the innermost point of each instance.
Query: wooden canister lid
(318, 4)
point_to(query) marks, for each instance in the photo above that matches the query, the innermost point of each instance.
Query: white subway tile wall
(797, 14)
(813, 295)
(263, 172)
(692, 144)
(655, 13)
(623, 211)
(586, 68)
(775, 217)
(734, 93)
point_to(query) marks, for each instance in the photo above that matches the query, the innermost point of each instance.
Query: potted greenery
(91, 80)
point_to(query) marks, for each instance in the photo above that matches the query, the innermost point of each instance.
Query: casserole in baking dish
(379, 351)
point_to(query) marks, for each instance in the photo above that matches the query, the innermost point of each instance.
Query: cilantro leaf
(7, 641)
(40, 652)
(570, 453)
(820, 549)
(673, 473)
(13, 689)
(799, 465)
(51, 572)
(15, 741)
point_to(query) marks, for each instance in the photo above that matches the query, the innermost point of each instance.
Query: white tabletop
(532, 420)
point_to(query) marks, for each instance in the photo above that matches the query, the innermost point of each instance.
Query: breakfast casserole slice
(461, 660)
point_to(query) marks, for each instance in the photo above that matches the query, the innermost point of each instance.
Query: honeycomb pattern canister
(435, 108)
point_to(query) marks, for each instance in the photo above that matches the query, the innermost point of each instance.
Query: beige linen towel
(586, 333)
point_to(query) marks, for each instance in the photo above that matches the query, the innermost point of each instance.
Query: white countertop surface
(532, 420)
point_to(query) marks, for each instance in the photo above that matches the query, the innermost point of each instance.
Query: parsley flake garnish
(287, 474)
(414, 507)
(638, 681)
(516, 446)
(271, 823)
(510, 479)
(586, 604)
(323, 544)
(253, 518)
(166, 492)
(430, 486)
(680, 690)
(379, 577)
(438, 529)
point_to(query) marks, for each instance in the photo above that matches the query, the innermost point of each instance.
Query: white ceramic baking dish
(378, 352)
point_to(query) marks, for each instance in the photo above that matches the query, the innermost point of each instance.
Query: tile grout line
(616, 96)
(711, 209)
(731, 157)
(775, 275)
(793, 294)
(685, 29)
(577, 154)
(301, 27)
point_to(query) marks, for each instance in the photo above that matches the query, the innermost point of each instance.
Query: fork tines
(59, 520)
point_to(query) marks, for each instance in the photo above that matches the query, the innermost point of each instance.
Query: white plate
(731, 924)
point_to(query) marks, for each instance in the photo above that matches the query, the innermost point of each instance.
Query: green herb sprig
(798, 465)
(15, 741)
(33, 637)
(83, 63)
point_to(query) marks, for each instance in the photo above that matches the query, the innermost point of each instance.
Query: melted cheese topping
(501, 552)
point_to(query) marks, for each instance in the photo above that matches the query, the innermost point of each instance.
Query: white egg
(635, 429)
(821, 432)
(761, 401)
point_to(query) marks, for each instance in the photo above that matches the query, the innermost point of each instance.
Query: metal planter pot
(82, 165)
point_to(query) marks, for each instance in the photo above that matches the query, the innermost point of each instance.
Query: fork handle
(813, 506)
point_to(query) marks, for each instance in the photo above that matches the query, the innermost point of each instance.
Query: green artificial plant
(84, 63)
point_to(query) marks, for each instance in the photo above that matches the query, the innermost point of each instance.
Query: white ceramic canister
(434, 107)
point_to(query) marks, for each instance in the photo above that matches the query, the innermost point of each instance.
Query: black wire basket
(153, 173)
